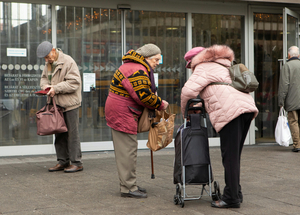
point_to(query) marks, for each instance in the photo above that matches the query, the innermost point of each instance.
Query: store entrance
(290, 31)
(273, 35)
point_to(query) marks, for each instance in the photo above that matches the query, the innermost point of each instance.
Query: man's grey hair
(293, 51)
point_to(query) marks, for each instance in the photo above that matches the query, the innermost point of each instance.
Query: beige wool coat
(66, 81)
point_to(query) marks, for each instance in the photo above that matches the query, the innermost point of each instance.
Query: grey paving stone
(269, 175)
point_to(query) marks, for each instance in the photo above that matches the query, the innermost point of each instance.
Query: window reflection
(22, 28)
(92, 36)
(292, 30)
(167, 31)
(268, 45)
(211, 29)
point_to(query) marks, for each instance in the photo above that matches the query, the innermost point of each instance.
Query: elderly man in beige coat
(289, 93)
(62, 77)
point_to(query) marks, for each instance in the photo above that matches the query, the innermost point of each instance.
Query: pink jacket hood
(215, 53)
(223, 103)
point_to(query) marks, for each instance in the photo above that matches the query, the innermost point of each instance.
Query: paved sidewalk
(269, 178)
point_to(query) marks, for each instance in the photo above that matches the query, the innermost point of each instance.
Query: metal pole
(123, 32)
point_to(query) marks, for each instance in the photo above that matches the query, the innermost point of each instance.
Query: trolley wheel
(176, 200)
(181, 202)
(178, 194)
(180, 197)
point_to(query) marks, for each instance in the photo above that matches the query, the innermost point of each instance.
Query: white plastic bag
(282, 131)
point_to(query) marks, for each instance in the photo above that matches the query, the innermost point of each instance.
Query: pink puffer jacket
(223, 103)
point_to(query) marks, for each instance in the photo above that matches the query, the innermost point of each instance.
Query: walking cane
(152, 167)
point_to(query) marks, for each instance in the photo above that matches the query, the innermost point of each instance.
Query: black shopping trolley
(192, 161)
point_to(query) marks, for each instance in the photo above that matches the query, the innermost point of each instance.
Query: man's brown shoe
(58, 167)
(73, 168)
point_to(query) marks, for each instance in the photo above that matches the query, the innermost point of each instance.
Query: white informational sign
(89, 81)
(16, 52)
(161, 60)
(156, 79)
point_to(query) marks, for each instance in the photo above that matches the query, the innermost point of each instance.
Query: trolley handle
(191, 101)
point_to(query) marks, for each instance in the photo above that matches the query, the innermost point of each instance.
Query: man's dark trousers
(67, 145)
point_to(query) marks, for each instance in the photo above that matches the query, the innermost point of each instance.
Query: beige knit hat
(148, 50)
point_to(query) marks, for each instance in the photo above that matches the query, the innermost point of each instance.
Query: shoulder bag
(144, 121)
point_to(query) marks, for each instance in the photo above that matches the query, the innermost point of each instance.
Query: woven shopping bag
(161, 130)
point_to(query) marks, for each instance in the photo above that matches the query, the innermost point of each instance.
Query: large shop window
(168, 32)
(92, 36)
(268, 46)
(22, 28)
(209, 29)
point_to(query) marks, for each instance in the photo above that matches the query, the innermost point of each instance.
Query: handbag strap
(168, 113)
(53, 103)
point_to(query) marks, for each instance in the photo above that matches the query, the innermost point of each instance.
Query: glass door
(22, 27)
(267, 52)
(290, 31)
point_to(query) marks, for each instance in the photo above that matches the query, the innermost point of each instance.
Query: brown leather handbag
(50, 120)
(145, 120)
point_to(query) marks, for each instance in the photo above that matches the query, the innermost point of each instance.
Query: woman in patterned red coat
(132, 88)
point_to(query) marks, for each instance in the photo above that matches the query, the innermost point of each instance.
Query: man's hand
(51, 92)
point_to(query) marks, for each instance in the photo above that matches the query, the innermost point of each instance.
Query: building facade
(97, 33)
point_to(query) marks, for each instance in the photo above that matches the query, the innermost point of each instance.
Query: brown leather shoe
(73, 168)
(58, 167)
